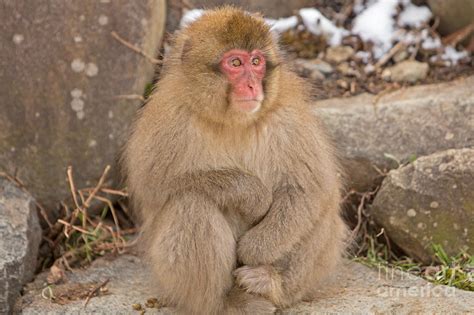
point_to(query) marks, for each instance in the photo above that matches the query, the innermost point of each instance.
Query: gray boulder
(356, 289)
(453, 14)
(20, 235)
(430, 201)
(271, 8)
(360, 290)
(61, 72)
(410, 122)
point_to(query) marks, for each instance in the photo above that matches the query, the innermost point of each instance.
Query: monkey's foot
(261, 280)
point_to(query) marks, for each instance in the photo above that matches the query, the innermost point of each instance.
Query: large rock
(20, 235)
(453, 14)
(360, 290)
(409, 122)
(270, 8)
(430, 201)
(129, 283)
(60, 73)
(357, 289)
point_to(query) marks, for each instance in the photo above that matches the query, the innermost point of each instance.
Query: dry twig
(94, 232)
(98, 186)
(95, 291)
(114, 192)
(131, 97)
(135, 49)
(392, 52)
(455, 38)
(364, 197)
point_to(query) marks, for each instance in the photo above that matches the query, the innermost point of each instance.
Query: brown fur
(214, 188)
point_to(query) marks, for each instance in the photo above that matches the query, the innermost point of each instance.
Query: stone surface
(357, 289)
(347, 70)
(270, 8)
(338, 54)
(406, 71)
(20, 235)
(453, 14)
(321, 66)
(415, 121)
(129, 283)
(429, 201)
(61, 73)
(309, 69)
(360, 290)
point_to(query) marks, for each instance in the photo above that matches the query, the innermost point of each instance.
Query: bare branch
(135, 49)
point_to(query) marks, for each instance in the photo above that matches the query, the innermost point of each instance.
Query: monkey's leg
(193, 255)
(290, 218)
(302, 271)
(283, 287)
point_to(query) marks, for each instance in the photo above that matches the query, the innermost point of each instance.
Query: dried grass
(81, 235)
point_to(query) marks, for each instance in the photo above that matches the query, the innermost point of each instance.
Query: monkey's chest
(247, 158)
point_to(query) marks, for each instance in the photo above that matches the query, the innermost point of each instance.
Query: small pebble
(406, 71)
(342, 84)
(339, 54)
(137, 307)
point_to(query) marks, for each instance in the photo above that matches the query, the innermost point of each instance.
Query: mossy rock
(430, 201)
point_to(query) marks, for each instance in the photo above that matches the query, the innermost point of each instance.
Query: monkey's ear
(275, 36)
(184, 47)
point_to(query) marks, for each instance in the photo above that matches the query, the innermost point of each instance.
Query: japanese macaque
(235, 183)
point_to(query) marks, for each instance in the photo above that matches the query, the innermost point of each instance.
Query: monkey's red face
(245, 72)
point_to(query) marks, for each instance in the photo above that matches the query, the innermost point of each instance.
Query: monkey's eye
(256, 61)
(236, 62)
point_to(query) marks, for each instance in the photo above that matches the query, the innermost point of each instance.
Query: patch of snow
(452, 55)
(363, 55)
(414, 16)
(409, 38)
(318, 24)
(376, 24)
(369, 68)
(283, 24)
(358, 6)
(190, 16)
(431, 43)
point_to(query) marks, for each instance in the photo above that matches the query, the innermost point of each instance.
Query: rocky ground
(356, 289)
(410, 206)
(408, 150)
(20, 235)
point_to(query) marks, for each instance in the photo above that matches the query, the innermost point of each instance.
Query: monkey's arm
(288, 220)
(231, 188)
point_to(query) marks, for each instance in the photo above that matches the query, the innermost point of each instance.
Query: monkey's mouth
(248, 105)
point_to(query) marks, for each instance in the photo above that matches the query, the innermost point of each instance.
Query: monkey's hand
(253, 248)
(289, 219)
(252, 199)
(261, 280)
